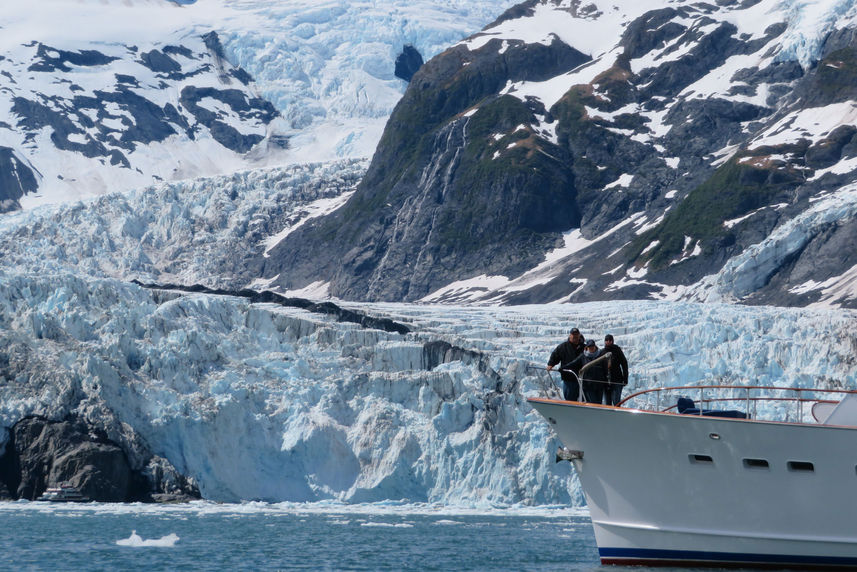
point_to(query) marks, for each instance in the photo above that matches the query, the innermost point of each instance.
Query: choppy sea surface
(290, 536)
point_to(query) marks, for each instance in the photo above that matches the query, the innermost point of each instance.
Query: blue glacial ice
(263, 402)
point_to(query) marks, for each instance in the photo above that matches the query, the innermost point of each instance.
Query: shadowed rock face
(43, 453)
(408, 63)
(434, 202)
(662, 173)
(16, 179)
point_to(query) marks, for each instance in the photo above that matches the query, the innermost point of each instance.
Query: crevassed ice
(261, 402)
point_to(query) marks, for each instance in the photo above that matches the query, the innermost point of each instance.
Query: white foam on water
(332, 508)
(137, 541)
(388, 524)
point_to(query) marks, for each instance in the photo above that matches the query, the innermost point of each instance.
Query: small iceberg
(136, 540)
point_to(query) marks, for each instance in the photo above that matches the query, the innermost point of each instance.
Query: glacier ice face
(332, 75)
(257, 401)
(261, 402)
(748, 271)
(203, 231)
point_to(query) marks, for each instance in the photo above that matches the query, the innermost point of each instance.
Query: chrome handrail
(799, 399)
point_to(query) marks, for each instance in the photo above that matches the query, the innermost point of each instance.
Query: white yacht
(670, 482)
(63, 493)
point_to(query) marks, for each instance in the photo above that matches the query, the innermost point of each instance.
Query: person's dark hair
(608, 338)
(574, 331)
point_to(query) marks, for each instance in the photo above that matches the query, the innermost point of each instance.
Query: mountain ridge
(673, 146)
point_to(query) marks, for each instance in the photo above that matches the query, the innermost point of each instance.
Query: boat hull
(673, 489)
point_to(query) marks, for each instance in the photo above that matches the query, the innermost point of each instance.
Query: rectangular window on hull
(801, 466)
(703, 459)
(756, 464)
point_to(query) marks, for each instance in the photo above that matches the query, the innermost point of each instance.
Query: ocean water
(290, 536)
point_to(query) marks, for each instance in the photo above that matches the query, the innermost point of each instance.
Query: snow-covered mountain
(108, 96)
(100, 97)
(590, 150)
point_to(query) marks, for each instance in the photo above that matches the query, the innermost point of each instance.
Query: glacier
(109, 96)
(332, 75)
(257, 401)
(202, 230)
(261, 402)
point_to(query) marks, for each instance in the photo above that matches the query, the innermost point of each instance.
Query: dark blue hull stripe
(615, 554)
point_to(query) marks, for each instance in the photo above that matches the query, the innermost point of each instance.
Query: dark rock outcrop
(435, 184)
(408, 62)
(16, 179)
(42, 453)
(50, 59)
(222, 132)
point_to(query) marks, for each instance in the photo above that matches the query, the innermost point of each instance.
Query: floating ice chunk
(137, 541)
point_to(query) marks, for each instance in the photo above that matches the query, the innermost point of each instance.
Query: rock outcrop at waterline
(41, 453)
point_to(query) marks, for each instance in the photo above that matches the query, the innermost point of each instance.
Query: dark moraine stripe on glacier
(266, 296)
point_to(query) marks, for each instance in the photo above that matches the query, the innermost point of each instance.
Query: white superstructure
(63, 493)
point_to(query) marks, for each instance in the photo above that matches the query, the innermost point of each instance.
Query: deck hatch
(700, 459)
(801, 466)
(756, 464)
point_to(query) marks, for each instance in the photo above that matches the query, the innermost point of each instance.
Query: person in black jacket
(618, 370)
(594, 377)
(564, 354)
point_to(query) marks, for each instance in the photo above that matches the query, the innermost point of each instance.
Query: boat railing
(787, 403)
(552, 391)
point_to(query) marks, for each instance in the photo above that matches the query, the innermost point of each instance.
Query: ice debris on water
(137, 541)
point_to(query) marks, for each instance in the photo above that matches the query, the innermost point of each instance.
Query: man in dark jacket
(618, 370)
(564, 354)
(593, 372)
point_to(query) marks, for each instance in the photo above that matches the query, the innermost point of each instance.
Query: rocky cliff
(580, 151)
(41, 453)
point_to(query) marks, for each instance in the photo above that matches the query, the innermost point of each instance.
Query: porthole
(701, 459)
(801, 466)
(756, 464)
